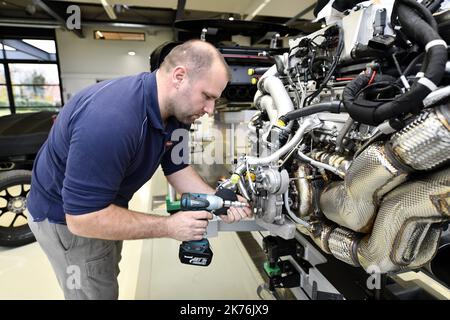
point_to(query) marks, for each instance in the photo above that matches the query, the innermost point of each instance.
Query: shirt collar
(151, 95)
(153, 112)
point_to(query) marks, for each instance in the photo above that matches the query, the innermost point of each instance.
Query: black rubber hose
(418, 29)
(374, 113)
(413, 63)
(358, 111)
(420, 10)
(423, 11)
(436, 59)
(333, 106)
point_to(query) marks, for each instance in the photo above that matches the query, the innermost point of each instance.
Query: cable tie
(405, 82)
(433, 43)
(427, 83)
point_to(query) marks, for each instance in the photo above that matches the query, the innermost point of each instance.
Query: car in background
(21, 137)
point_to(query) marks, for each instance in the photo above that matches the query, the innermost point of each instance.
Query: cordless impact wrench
(198, 252)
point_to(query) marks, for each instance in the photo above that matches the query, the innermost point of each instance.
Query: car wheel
(14, 187)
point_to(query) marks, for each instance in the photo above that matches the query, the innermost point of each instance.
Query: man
(106, 143)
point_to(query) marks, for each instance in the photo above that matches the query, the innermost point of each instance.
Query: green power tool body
(198, 252)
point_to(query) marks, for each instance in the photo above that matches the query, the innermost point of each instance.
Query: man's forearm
(188, 180)
(116, 223)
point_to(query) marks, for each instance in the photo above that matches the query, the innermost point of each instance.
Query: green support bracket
(271, 272)
(172, 206)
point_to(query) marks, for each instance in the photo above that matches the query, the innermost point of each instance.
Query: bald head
(197, 56)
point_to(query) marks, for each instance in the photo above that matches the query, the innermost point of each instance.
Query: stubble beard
(174, 108)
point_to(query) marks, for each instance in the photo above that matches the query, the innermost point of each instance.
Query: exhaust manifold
(375, 208)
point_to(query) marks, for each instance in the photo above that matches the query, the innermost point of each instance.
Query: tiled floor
(150, 269)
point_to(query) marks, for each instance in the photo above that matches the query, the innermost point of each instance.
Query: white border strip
(427, 83)
(432, 43)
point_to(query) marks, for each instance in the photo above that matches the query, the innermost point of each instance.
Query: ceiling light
(99, 35)
(30, 9)
(116, 35)
(131, 53)
(231, 18)
(118, 8)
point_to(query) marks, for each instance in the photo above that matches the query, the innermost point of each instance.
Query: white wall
(84, 61)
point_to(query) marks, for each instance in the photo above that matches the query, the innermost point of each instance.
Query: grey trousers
(86, 268)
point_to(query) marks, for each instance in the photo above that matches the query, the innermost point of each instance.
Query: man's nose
(209, 107)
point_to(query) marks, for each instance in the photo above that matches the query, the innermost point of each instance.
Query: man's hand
(236, 214)
(188, 225)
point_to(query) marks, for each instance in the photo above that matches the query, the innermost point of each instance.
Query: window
(45, 45)
(35, 86)
(5, 50)
(29, 76)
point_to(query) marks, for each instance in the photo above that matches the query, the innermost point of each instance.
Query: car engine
(351, 141)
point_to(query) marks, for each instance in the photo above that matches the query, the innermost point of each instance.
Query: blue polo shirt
(107, 141)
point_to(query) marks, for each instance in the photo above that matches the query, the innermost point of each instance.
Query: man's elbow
(89, 225)
(78, 224)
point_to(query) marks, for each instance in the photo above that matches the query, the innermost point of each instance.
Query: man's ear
(178, 75)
